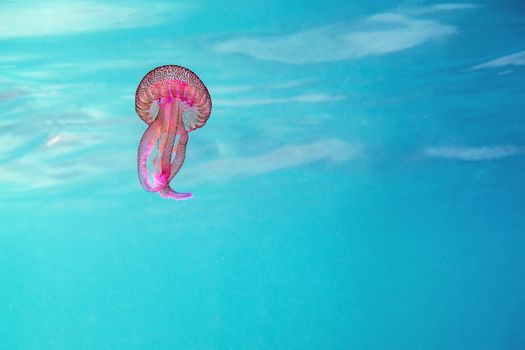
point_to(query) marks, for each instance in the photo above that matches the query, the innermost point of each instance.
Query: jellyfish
(173, 101)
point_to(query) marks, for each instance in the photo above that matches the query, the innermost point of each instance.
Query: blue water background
(359, 184)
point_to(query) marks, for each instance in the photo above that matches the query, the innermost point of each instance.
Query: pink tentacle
(146, 145)
(162, 134)
(172, 112)
(168, 192)
(180, 153)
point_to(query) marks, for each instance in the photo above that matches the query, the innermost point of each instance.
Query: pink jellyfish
(173, 101)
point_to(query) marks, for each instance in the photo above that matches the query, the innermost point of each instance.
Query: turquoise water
(359, 184)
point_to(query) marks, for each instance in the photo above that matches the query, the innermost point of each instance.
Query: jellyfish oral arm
(146, 145)
(168, 192)
(160, 136)
(180, 153)
(171, 164)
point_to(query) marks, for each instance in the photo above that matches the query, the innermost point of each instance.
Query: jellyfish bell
(178, 83)
(173, 101)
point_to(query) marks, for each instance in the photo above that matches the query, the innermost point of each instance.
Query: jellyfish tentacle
(178, 159)
(156, 161)
(171, 110)
(180, 153)
(146, 145)
(168, 192)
